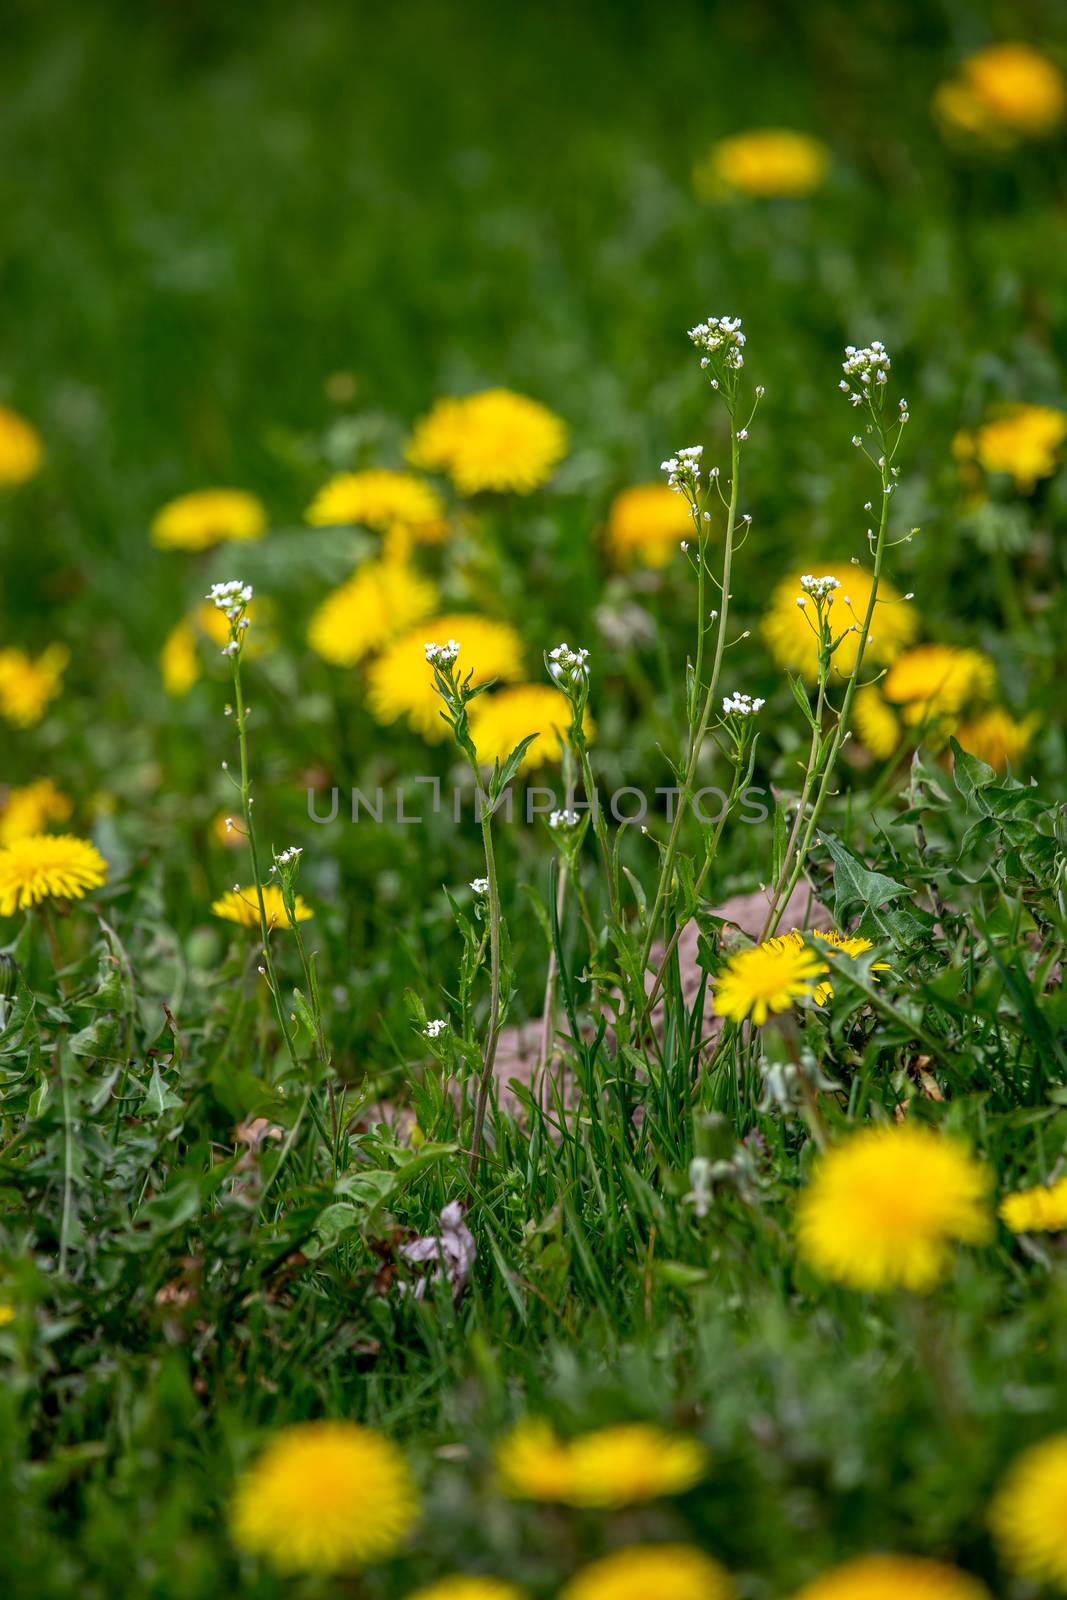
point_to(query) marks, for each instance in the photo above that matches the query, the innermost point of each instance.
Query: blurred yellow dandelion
(380, 600)
(464, 1586)
(1023, 442)
(400, 682)
(875, 722)
(995, 737)
(651, 1572)
(380, 500)
(533, 1463)
(883, 1577)
(21, 449)
(207, 517)
(1006, 91)
(179, 659)
(1028, 1515)
(1039, 1210)
(771, 977)
(31, 809)
(647, 523)
(47, 866)
(883, 1208)
(766, 164)
(607, 1468)
(938, 680)
(324, 1497)
(793, 643)
(27, 686)
(501, 720)
(7, 1315)
(496, 441)
(242, 906)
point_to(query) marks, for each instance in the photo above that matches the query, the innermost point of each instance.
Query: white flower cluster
(867, 365)
(442, 655)
(563, 819)
(480, 885)
(294, 852)
(567, 665)
(741, 705)
(232, 599)
(436, 1027)
(818, 588)
(683, 470)
(720, 335)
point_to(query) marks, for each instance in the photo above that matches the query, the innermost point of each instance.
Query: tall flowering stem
(865, 386)
(722, 344)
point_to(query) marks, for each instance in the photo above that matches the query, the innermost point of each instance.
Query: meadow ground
(416, 425)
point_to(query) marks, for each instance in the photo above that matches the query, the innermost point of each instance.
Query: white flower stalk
(741, 705)
(720, 337)
(683, 471)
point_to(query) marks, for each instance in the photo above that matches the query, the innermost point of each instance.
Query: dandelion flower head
(1028, 1515)
(646, 524)
(500, 720)
(1022, 442)
(47, 866)
(849, 945)
(607, 1468)
(771, 977)
(883, 1208)
(1006, 91)
(27, 686)
(876, 723)
(380, 500)
(937, 680)
(885, 1577)
(463, 1586)
(208, 517)
(31, 809)
(21, 450)
(1042, 1209)
(641, 1572)
(241, 905)
(379, 601)
(324, 1497)
(794, 643)
(494, 441)
(996, 738)
(766, 164)
(400, 683)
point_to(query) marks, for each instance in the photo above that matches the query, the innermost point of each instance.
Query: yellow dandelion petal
(324, 1497)
(179, 661)
(850, 945)
(651, 1572)
(464, 1586)
(876, 723)
(883, 1209)
(21, 449)
(207, 517)
(47, 866)
(794, 645)
(532, 1463)
(400, 681)
(242, 906)
(7, 1315)
(884, 1577)
(500, 720)
(1023, 442)
(614, 1467)
(766, 164)
(1008, 90)
(646, 524)
(938, 680)
(494, 441)
(1028, 1515)
(380, 500)
(380, 600)
(772, 977)
(30, 810)
(1039, 1210)
(27, 686)
(996, 738)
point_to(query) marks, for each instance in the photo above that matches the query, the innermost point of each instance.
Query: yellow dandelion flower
(501, 720)
(27, 686)
(883, 1208)
(1006, 91)
(532, 1463)
(206, 517)
(608, 1468)
(31, 809)
(772, 976)
(179, 659)
(324, 1497)
(380, 500)
(21, 449)
(7, 1315)
(875, 723)
(995, 737)
(400, 682)
(496, 441)
(461, 1586)
(47, 866)
(938, 680)
(1028, 1515)
(380, 600)
(1023, 442)
(651, 1572)
(242, 906)
(881, 1577)
(1039, 1210)
(793, 643)
(766, 164)
(851, 945)
(647, 523)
